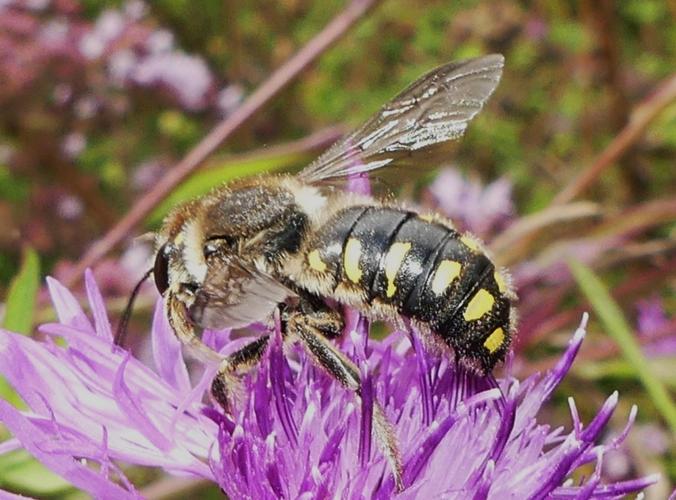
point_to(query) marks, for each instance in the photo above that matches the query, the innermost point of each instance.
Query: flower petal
(132, 405)
(33, 438)
(167, 352)
(67, 307)
(98, 308)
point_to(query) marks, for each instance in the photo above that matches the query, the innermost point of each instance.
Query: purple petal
(67, 307)
(98, 308)
(359, 337)
(424, 374)
(359, 183)
(415, 463)
(167, 352)
(332, 448)
(601, 419)
(563, 366)
(272, 470)
(81, 476)
(217, 339)
(277, 381)
(132, 406)
(651, 316)
(614, 490)
(264, 418)
(365, 429)
(9, 445)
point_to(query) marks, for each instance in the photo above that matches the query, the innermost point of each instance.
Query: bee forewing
(235, 295)
(434, 109)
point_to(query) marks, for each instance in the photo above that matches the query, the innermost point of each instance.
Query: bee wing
(436, 108)
(235, 295)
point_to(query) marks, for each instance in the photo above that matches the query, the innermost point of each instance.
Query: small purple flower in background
(229, 98)
(294, 433)
(651, 316)
(655, 328)
(109, 26)
(482, 210)
(188, 77)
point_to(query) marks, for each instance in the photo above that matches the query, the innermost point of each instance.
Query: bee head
(214, 254)
(187, 248)
(180, 266)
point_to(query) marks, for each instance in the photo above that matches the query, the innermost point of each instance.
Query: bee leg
(346, 372)
(226, 381)
(328, 321)
(185, 331)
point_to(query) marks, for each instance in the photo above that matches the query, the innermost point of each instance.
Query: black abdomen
(424, 270)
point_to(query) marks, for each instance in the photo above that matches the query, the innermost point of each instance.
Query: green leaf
(22, 294)
(20, 309)
(20, 471)
(617, 327)
(205, 180)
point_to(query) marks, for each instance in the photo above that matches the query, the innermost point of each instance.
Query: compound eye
(161, 268)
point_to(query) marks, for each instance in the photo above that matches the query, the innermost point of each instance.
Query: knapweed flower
(293, 432)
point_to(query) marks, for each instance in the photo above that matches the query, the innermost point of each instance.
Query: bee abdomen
(407, 261)
(422, 270)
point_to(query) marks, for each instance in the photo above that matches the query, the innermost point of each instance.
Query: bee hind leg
(226, 382)
(327, 356)
(328, 321)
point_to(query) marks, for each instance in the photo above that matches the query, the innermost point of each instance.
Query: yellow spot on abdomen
(500, 280)
(446, 272)
(427, 217)
(470, 242)
(395, 256)
(315, 261)
(495, 340)
(351, 260)
(481, 303)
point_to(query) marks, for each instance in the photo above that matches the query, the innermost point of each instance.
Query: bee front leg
(308, 330)
(226, 381)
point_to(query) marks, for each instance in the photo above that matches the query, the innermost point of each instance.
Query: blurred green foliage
(618, 328)
(21, 472)
(22, 295)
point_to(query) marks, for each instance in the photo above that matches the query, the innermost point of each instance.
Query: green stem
(617, 327)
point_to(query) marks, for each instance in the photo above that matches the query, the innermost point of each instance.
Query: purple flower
(479, 209)
(294, 432)
(92, 401)
(185, 75)
(655, 328)
(651, 317)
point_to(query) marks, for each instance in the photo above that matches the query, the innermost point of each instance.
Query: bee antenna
(121, 331)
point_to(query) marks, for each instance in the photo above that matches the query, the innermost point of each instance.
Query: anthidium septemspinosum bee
(286, 243)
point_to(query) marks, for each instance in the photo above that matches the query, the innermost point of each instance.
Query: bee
(287, 243)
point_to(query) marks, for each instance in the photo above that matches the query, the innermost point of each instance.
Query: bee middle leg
(226, 381)
(309, 328)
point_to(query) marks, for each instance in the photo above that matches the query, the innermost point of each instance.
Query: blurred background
(100, 99)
